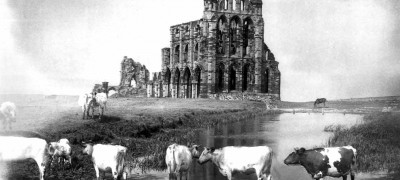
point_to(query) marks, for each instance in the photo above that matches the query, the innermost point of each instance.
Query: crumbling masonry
(222, 53)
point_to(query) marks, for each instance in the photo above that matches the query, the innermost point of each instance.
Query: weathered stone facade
(224, 52)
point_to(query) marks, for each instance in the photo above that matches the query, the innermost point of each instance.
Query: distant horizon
(311, 100)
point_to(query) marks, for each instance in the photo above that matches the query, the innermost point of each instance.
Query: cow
(83, 101)
(179, 158)
(319, 101)
(8, 113)
(321, 162)
(98, 100)
(22, 148)
(60, 150)
(240, 159)
(105, 156)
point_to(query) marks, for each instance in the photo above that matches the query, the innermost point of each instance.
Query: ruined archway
(187, 83)
(168, 81)
(221, 35)
(177, 80)
(232, 78)
(248, 36)
(265, 80)
(234, 28)
(185, 53)
(196, 52)
(198, 79)
(220, 77)
(245, 77)
(176, 54)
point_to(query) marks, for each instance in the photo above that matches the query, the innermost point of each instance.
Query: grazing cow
(106, 157)
(83, 101)
(321, 162)
(98, 100)
(319, 101)
(8, 112)
(241, 159)
(60, 150)
(22, 148)
(179, 158)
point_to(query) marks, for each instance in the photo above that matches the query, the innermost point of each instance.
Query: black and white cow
(321, 162)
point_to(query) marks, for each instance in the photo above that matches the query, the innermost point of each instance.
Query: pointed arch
(220, 73)
(234, 28)
(232, 78)
(248, 35)
(197, 77)
(168, 81)
(185, 53)
(196, 52)
(187, 83)
(221, 34)
(245, 77)
(177, 81)
(265, 80)
(176, 54)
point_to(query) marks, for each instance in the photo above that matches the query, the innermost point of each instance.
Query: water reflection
(282, 132)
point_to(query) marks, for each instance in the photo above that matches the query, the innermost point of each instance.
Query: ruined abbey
(222, 53)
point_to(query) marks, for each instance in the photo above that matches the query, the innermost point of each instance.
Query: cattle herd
(318, 162)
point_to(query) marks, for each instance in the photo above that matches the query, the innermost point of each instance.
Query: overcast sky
(332, 48)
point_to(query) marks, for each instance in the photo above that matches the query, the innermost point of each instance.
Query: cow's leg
(228, 175)
(114, 172)
(41, 167)
(97, 171)
(344, 177)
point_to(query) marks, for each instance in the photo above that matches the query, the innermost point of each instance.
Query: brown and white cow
(240, 159)
(179, 158)
(106, 156)
(321, 162)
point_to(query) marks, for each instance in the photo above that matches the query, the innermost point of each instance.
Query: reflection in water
(282, 132)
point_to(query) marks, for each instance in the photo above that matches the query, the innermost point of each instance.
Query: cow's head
(206, 155)
(88, 149)
(194, 150)
(52, 148)
(294, 157)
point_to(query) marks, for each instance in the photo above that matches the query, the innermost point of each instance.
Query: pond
(282, 132)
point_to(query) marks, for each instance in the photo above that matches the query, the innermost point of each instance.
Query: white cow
(106, 157)
(98, 100)
(8, 112)
(60, 150)
(83, 101)
(241, 159)
(179, 158)
(22, 148)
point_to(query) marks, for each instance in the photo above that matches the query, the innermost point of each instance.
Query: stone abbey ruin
(222, 54)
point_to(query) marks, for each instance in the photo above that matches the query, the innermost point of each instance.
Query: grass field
(148, 125)
(145, 126)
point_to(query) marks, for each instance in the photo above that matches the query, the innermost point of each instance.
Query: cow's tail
(120, 160)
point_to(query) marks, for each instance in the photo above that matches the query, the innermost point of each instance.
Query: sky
(333, 48)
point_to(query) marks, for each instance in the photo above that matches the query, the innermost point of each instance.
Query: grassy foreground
(377, 141)
(145, 125)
